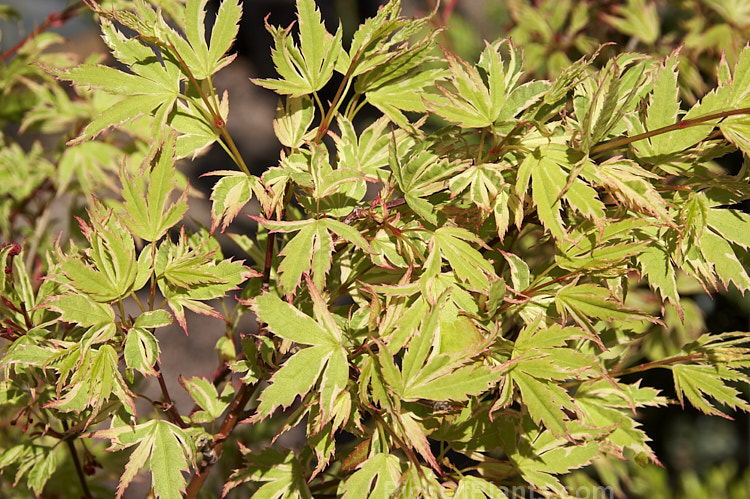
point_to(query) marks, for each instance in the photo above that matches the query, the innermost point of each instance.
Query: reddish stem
(169, 407)
(623, 141)
(227, 426)
(54, 20)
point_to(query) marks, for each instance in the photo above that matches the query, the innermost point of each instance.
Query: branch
(169, 407)
(343, 88)
(54, 20)
(76, 463)
(640, 368)
(241, 397)
(230, 421)
(658, 363)
(359, 213)
(623, 141)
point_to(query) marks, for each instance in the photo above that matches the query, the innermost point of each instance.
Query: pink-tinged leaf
(178, 304)
(630, 184)
(229, 195)
(165, 448)
(333, 383)
(416, 438)
(377, 476)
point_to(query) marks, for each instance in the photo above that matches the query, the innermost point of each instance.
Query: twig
(359, 213)
(243, 394)
(623, 141)
(169, 408)
(658, 363)
(53, 20)
(325, 123)
(230, 421)
(218, 121)
(401, 444)
(76, 462)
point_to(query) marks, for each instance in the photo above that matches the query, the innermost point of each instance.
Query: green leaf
(195, 132)
(548, 179)
(36, 462)
(154, 86)
(737, 130)
(403, 94)
(120, 113)
(637, 19)
(590, 300)
(286, 321)
(470, 487)
(153, 319)
(522, 97)
(113, 267)
(346, 232)
(293, 120)
(333, 385)
(197, 278)
(310, 249)
(607, 406)
(553, 456)
(188, 270)
(477, 100)
(471, 104)
(195, 19)
(296, 377)
(437, 381)
(627, 181)
(740, 87)
(376, 477)
(223, 34)
(306, 69)
(519, 272)
(468, 263)
(545, 400)
(96, 380)
(319, 49)
(277, 473)
(390, 57)
(81, 310)
(206, 397)
(23, 351)
(693, 381)
(149, 210)
(602, 102)
(482, 181)
(658, 268)
(89, 164)
(141, 351)
(298, 254)
(664, 107)
(230, 194)
(163, 447)
(719, 253)
(113, 81)
(733, 225)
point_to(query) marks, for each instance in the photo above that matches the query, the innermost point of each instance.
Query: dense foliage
(455, 298)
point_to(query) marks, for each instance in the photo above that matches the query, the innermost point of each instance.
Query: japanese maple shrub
(448, 295)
